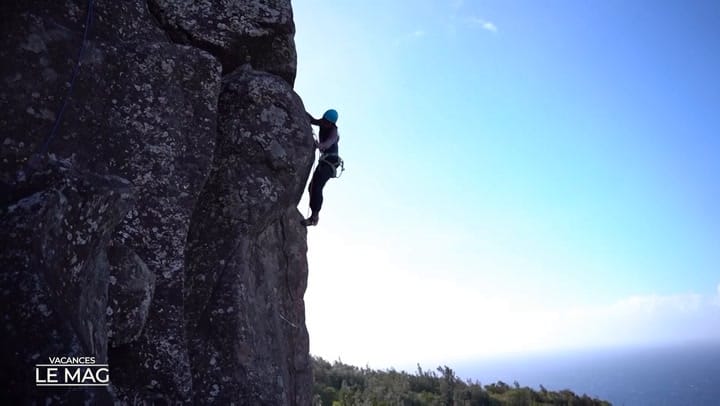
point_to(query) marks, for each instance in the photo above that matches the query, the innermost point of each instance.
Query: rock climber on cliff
(328, 162)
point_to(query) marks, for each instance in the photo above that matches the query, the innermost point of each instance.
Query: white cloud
(375, 311)
(484, 24)
(654, 304)
(411, 36)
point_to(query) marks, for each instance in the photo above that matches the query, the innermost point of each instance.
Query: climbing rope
(312, 172)
(288, 321)
(43, 148)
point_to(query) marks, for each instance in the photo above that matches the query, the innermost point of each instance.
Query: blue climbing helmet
(331, 116)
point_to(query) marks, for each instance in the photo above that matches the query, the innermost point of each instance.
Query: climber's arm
(313, 120)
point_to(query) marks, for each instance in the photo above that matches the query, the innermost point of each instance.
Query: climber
(327, 163)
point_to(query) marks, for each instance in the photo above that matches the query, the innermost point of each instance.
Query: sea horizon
(665, 375)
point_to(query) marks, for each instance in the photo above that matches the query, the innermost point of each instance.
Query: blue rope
(88, 20)
(27, 169)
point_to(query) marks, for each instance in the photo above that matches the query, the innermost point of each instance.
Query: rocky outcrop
(237, 32)
(242, 225)
(55, 271)
(158, 232)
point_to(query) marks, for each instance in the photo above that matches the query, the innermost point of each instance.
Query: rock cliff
(149, 193)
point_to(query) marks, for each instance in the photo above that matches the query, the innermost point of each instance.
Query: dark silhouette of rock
(159, 232)
(237, 32)
(131, 289)
(246, 250)
(54, 273)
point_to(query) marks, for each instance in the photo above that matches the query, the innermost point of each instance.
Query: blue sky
(521, 176)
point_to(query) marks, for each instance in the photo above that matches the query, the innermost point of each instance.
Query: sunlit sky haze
(521, 176)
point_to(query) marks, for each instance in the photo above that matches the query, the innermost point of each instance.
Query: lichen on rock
(159, 233)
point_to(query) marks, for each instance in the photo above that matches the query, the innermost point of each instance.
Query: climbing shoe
(310, 221)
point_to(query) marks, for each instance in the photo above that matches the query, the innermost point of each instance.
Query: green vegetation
(338, 384)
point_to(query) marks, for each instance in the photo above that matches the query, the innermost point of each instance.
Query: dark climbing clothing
(323, 173)
(327, 164)
(329, 135)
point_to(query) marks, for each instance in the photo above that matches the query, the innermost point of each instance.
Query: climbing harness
(335, 165)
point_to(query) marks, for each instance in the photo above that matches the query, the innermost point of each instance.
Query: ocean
(680, 375)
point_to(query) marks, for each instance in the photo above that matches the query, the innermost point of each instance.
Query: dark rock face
(161, 235)
(245, 282)
(237, 32)
(132, 285)
(55, 270)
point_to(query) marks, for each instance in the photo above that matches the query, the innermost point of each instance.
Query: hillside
(339, 384)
